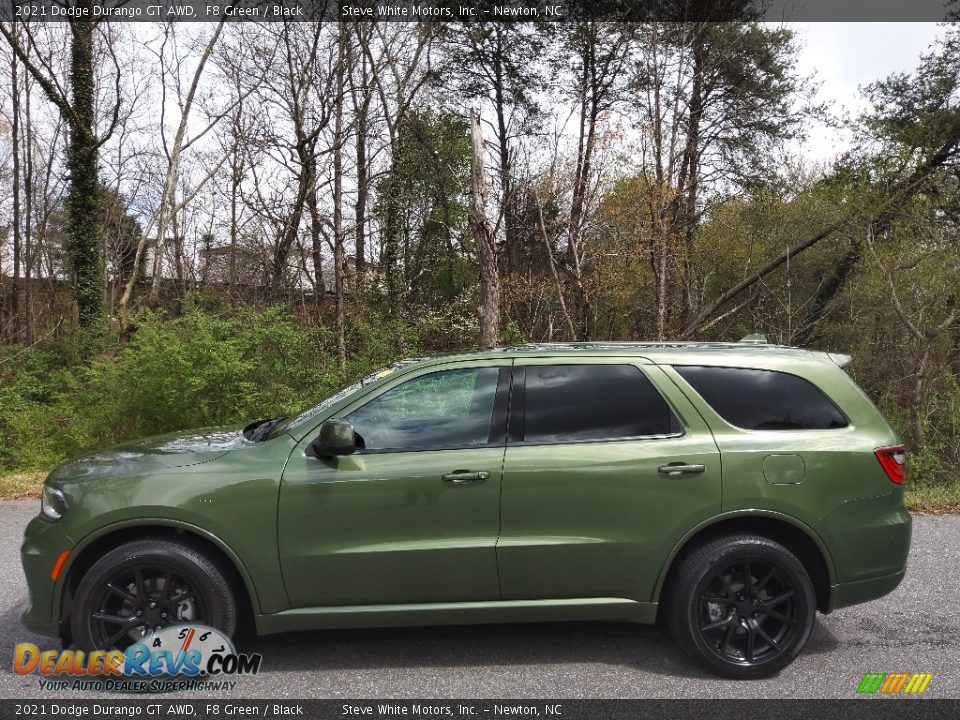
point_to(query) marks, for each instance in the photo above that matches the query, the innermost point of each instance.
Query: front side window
(763, 399)
(574, 403)
(447, 409)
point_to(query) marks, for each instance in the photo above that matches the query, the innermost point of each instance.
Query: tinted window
(567, 403)
(763, 399)
(441, 410)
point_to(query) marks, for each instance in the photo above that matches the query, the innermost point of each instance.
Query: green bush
(935, 461)
(201, 370)
(38, 424)
(207, 367)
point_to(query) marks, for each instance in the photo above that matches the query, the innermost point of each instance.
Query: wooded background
(206, 224)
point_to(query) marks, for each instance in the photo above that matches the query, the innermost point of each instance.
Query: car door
(607, 465)
(414, 515)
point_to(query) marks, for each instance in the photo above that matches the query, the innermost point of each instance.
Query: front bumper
(42, 544)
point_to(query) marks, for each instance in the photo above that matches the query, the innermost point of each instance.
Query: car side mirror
(336, 437)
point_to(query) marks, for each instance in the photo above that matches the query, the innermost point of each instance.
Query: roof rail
(754, 339)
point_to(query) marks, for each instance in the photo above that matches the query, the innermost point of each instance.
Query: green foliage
(936, 461)
(423, 212)
(35, 419)
(512, 334)
(202, 368)
(123, 234)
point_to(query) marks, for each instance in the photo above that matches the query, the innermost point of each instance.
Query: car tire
(168, 582)
(736, 628)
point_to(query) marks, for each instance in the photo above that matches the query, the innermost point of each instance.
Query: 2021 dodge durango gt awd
(730, 489)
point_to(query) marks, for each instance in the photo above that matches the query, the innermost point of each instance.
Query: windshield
(307, 416)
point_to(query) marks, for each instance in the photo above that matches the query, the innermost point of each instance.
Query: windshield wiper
(260, 430)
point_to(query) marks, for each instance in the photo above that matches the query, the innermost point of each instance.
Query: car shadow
(12, 632)
(646, 648)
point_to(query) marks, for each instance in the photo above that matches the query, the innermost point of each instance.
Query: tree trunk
(503, 151)
(662, 274)
(363, 176)
(690, 175)
(488, 307)
(360, 207)
(827, 291)
(84, 213)
(316, 226)
(13, 327)
(556, 278)
(236, 178)
(28, 190)
(589, 113)
(338, 258)
(917, 396)
(288, 234)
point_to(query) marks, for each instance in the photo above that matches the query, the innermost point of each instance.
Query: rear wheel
(743, 605)
(147, 585)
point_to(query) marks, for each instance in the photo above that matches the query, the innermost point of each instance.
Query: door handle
(465, 477)
(674, 469)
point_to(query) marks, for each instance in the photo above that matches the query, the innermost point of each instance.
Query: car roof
(745, 353)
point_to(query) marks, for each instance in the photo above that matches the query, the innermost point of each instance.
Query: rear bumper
(861, 591)
(869, 540)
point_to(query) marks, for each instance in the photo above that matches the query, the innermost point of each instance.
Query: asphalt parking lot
(916, 629)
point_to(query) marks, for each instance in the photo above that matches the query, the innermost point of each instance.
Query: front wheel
(743, 605)
(147, 585)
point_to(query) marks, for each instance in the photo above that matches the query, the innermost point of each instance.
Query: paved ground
(915, 629)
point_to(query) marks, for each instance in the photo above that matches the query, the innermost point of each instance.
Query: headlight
(52, 504)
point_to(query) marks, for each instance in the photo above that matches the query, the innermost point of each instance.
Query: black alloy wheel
(147, 585)
(140, 600)
(743, 605)
(748, 612)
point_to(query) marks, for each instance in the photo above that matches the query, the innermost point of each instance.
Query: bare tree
(361, 93)
(16, 294)
(923, 333)
(78, 106)
(488, 304)
(339, 261)
(601, 49)
(168, 206)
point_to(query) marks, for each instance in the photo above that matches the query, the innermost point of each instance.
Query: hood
(155, 454)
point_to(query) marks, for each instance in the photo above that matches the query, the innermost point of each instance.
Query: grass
(934, 499)
(930, 499)
(22, 485)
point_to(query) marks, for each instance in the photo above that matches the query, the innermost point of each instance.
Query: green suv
(730, 489)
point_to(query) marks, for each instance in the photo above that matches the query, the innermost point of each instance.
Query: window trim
(849, 423)
(518, 409)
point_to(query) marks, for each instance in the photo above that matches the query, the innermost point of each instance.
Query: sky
(844, 56)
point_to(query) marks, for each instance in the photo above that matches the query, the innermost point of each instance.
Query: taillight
(892, 458)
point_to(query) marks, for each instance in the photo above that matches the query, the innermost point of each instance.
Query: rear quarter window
(763, 399)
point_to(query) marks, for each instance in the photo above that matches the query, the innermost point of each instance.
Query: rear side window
(763, 399)
(571, 403)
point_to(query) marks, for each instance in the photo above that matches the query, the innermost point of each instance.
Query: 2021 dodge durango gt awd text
(730, 489)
